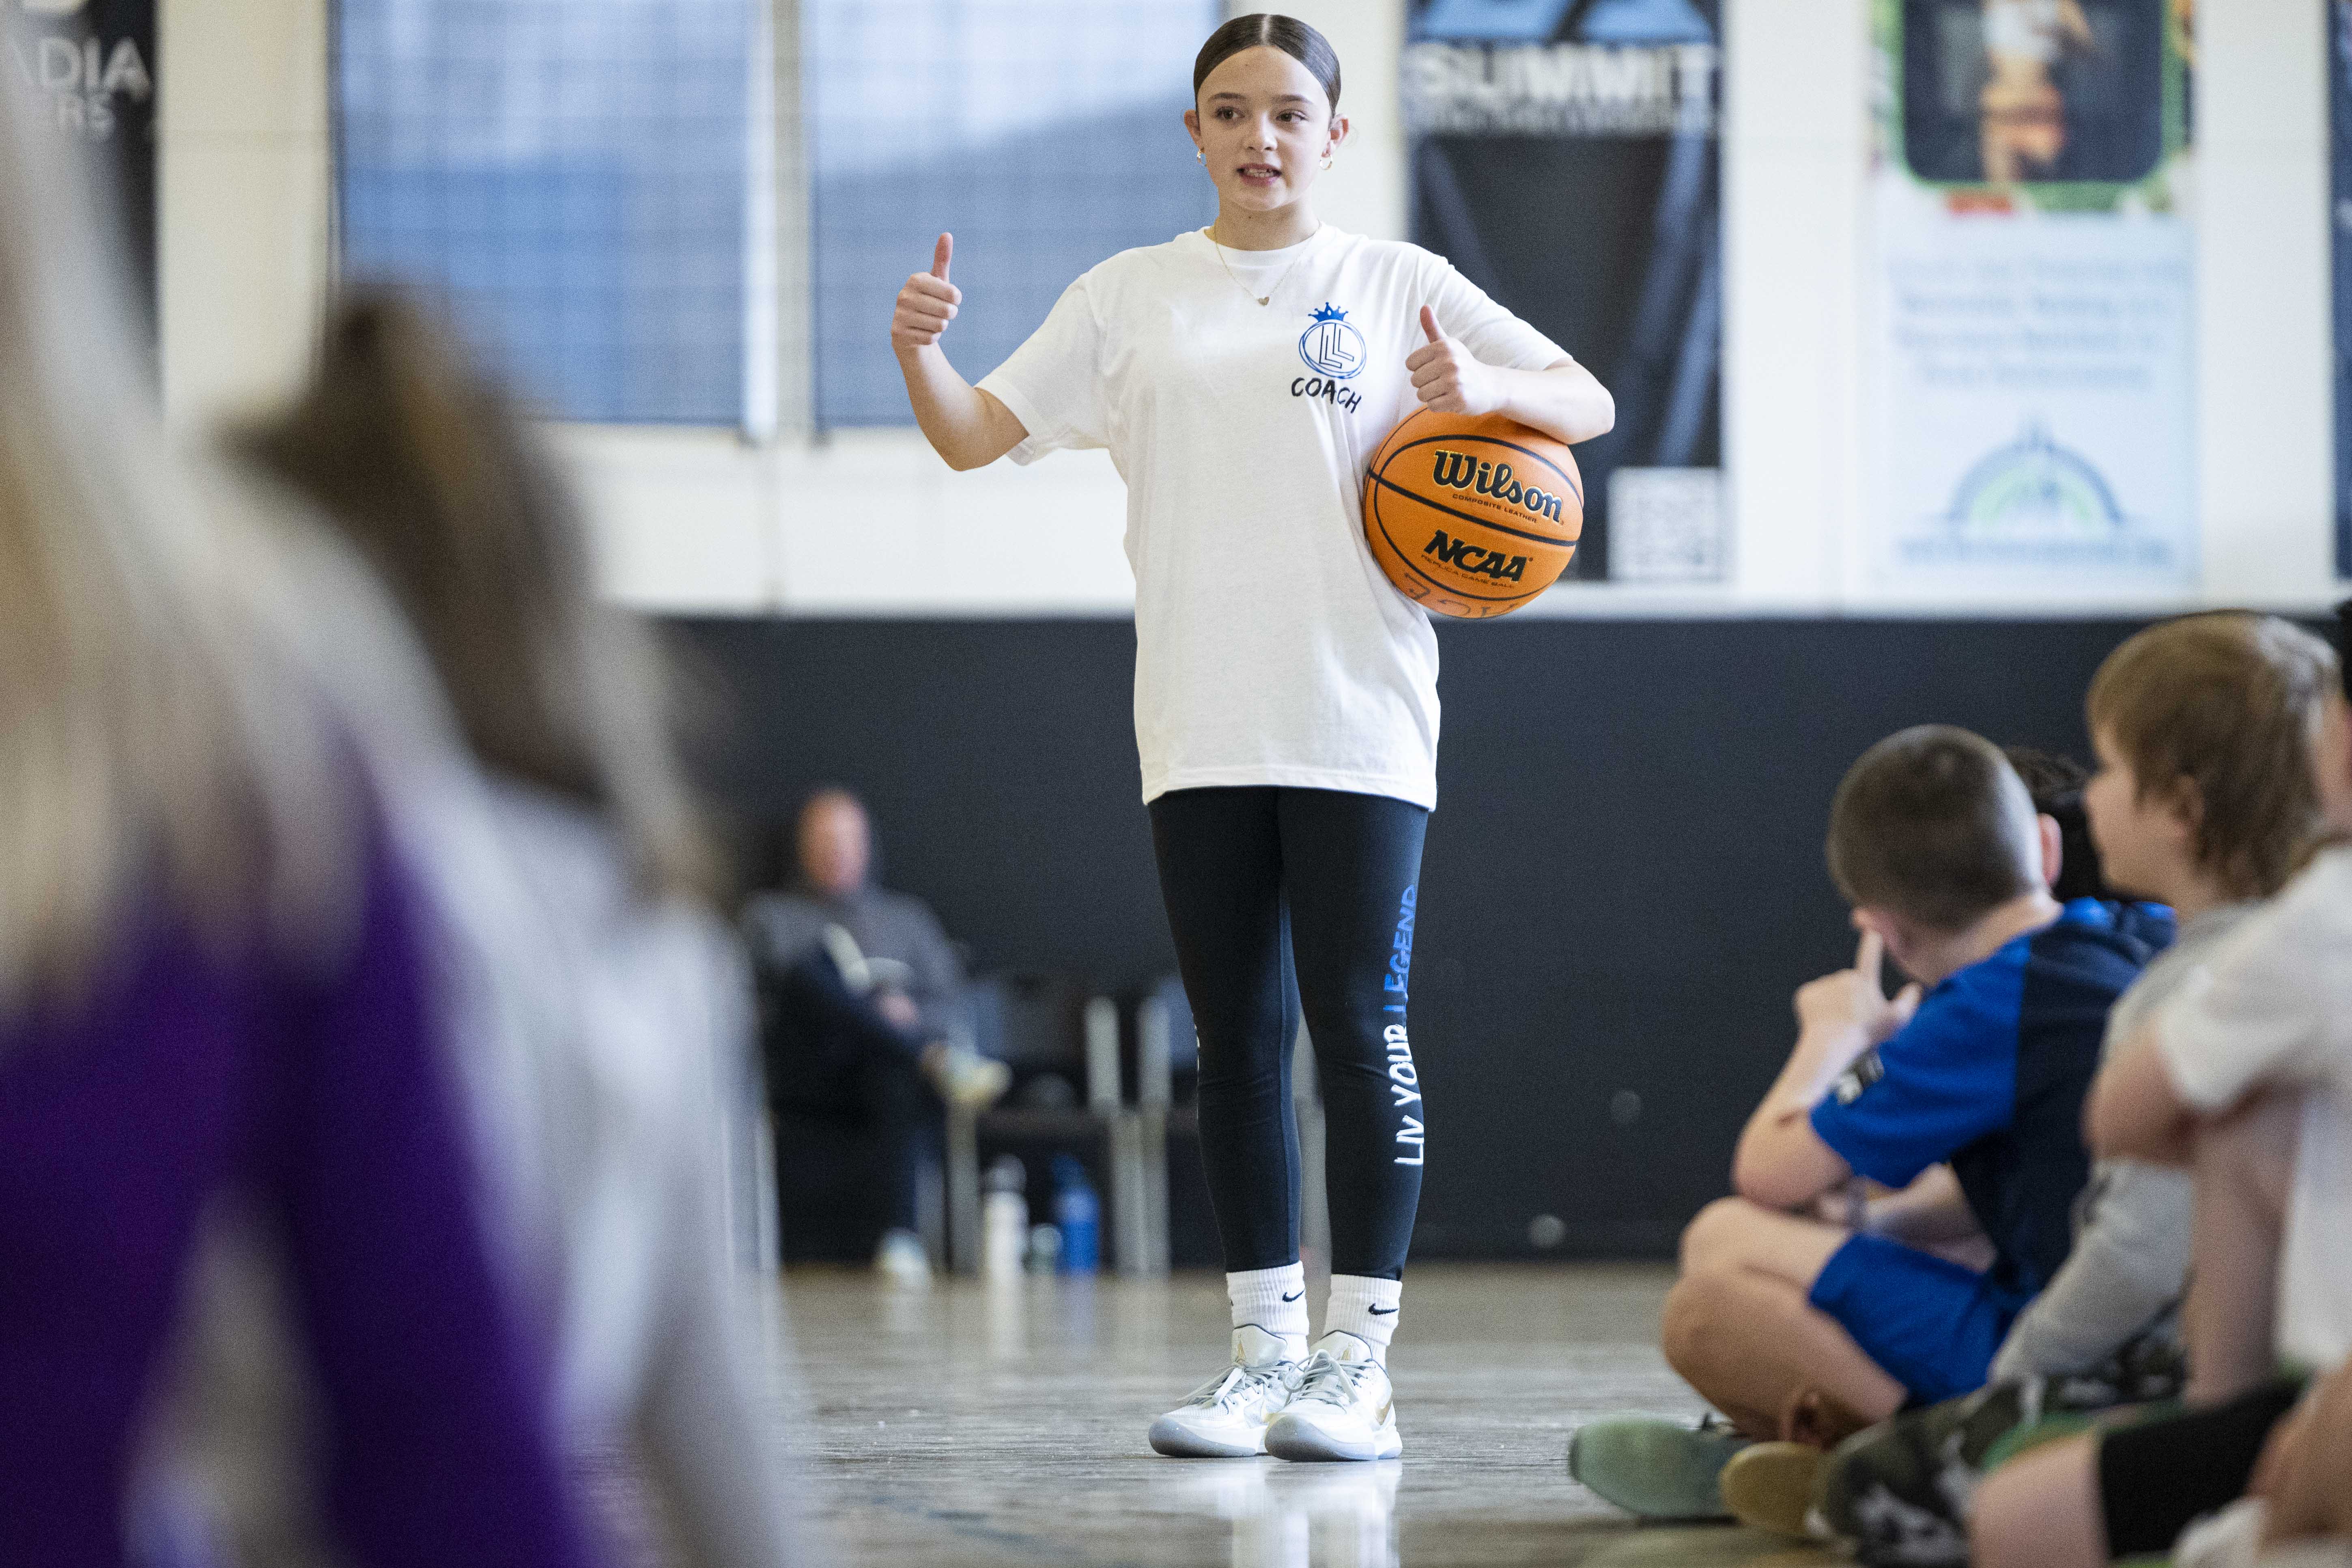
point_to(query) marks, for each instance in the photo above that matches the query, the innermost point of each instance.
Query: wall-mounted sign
(1565, 159)
(89, 68)
(2031, 417)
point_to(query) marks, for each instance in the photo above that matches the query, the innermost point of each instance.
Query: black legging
(1262, 884)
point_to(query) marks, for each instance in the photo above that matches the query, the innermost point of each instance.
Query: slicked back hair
(1268, 30)
(1933, 824)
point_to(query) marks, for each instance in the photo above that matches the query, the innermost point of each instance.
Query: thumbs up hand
(928, 303)
(1447, 377)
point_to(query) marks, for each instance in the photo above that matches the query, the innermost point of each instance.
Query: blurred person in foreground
(213, 988)
(862, 989)
(600, 1009)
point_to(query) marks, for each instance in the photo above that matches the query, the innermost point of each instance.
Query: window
(1045, 134)
(576, 177)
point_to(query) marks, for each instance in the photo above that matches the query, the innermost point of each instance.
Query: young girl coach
(1286, 694)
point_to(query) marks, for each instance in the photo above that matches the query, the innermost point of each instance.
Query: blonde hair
(151, 739)
(2230, 701)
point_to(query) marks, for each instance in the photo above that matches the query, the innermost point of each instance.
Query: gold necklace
(1266, 298)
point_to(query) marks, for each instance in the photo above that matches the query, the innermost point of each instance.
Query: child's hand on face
(1856, 998)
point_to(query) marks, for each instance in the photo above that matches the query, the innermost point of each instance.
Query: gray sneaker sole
(1302, 1444)
(1179, 1442)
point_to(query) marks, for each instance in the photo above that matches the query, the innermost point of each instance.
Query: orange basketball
(1472, 517)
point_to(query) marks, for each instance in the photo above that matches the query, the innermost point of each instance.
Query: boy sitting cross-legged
(1787, 1320)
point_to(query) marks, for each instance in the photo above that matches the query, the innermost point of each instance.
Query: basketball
(1471, 516)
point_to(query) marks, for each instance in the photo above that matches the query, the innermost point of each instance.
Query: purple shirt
(318, 1091)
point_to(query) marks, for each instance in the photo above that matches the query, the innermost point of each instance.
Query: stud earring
(1201, 158)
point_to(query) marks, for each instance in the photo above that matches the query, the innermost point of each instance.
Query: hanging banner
(2032, 417)
(1565, 159)
(89, 68)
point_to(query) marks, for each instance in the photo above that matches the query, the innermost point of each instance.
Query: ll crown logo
(1331, 346)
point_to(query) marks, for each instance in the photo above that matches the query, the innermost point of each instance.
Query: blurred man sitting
(859, 990)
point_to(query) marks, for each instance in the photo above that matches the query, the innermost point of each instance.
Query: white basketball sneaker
(1226, 1416)
(1344, 1408)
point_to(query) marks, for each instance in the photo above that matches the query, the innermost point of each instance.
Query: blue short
(1933, 1324)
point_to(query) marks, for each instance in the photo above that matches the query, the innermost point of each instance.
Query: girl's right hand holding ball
(927, 304)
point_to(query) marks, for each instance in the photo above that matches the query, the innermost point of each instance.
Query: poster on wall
(2031, 426)
(1564, 157)
(89, 68)
(2339, 181)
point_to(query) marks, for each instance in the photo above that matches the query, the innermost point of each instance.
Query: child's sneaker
(1900, 1492)
(1770, 1485)
(1655, 1468)
(1344, 1408)
(1227, 1417)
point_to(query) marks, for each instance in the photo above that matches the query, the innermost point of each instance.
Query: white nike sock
(1365, 1307)
(1275, 1301)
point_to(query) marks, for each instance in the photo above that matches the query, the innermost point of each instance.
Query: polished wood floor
(971, 1425)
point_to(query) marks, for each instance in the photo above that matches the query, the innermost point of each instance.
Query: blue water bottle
(1079, 1213)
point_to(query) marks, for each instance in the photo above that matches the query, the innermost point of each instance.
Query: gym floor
(968, 1423)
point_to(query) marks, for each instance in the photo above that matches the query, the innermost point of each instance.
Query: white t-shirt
(1270, 648)
(2272, 1009)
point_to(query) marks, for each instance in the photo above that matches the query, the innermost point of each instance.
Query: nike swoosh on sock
(1382, 1311)
(1293, 1296)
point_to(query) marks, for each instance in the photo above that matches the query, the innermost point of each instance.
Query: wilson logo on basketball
(1461, 471)
(1468, 557)
(1451, 517)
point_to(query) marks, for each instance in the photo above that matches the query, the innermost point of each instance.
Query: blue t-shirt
(1989, 1075)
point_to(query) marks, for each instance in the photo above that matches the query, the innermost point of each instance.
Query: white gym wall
(869, 523)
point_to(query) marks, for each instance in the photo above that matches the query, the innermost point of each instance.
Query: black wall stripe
(1624, 881)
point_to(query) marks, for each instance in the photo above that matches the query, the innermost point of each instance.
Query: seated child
(2246, 1078)
(1929, 1212)
(1934, 842)
(2203, 801)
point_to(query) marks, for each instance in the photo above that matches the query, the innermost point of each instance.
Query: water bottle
(1078, 1213)
(1044, 1249)
(1003, 1220)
